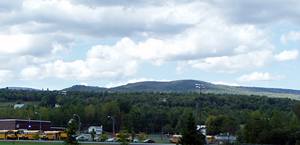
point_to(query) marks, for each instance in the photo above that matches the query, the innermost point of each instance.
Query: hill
(82, 88)
(21, 89)
(155, 86)
(183, 86)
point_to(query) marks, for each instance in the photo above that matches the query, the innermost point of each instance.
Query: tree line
(254, 119)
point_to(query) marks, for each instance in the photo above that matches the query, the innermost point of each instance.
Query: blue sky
(56, 44)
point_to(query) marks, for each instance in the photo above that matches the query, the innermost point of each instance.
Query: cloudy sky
(58, 43)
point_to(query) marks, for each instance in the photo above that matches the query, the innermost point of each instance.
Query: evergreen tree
(190, 135)
(71, 132)
(93, 134)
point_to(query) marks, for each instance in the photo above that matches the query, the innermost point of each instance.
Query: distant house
(225, 138)
(202, 129)
(63, 92)
(57, 106)
(18, 106)
(98, 129)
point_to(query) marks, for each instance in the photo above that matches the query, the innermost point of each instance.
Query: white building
(98, 129)
(202, 129)
(57, 106)
(18, 106)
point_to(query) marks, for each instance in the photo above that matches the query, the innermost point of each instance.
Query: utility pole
(198, 86)
(38, 113)
(113, 124)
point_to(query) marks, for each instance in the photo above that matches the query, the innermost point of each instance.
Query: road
(98, 143)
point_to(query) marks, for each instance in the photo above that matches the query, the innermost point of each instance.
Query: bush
(142, 136)
(123, 137)
(103, 137)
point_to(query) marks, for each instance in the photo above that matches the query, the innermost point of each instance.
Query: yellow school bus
(32, 134)
(63, 135)
(52, 135)
(12, 134)
(21, 134)
(3, 134)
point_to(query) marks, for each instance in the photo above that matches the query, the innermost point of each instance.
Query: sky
(59, 43)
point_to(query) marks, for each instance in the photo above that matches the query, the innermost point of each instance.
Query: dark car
(148, 141)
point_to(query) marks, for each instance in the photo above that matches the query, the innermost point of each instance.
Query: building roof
(18, 106)
(25, 120)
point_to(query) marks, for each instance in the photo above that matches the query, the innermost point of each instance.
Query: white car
(135, 140)
(111, 139)
(84, 137)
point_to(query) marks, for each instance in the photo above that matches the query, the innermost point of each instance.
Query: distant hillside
(271, 90)
(21, 89)
(154, 86)
(182, 86)
(82, 88)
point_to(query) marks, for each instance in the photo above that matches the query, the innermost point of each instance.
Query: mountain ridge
(183, 86)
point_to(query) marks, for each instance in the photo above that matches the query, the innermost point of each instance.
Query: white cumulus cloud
(205, 35)
(225, 83)
(231, 64)
(287, 55)
(259, 76)
(6, 75)
(292, 36)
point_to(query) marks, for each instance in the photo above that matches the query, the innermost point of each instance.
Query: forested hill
(184, 86)
(172, 86)
(82, 88)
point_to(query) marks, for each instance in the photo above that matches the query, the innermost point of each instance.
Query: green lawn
(28, 143)
(35, 143)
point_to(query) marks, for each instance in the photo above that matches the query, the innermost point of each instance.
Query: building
(63, 92)
(202, 129)
(98, 129)
(18, 106)
(16, 124)
(225, 138)
(57, 106)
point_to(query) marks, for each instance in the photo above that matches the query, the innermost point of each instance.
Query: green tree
(213, 124)
(93, 134)
(89, 113)
(255, 128)
(221, 124)
(190, 135)
(71, 130)
(123, 136)
(48, 100)
(103, 137)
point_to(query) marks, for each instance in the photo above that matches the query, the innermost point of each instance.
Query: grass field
(37, 143)
(27, 143)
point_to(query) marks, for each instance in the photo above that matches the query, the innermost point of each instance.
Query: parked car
(97, 138)
(84, 137)
(135, 140)
(111, 139)
(148, 141)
